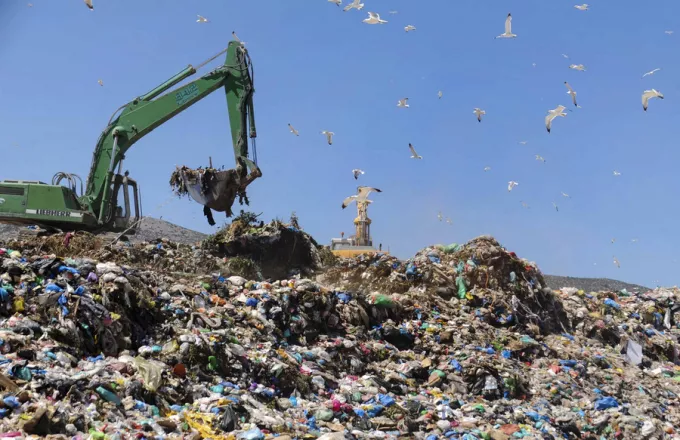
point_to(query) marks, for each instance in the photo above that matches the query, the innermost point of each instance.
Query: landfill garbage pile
(116, 346)
(507, 289)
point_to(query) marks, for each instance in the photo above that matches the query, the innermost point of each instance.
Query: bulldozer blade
(218, 192)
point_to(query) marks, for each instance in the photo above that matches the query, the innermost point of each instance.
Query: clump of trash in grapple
(178, 183)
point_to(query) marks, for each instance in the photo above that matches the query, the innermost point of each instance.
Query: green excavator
(111, 201)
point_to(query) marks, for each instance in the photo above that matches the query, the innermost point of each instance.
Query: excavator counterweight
(111, 199)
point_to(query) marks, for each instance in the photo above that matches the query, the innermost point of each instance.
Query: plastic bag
(151, 373)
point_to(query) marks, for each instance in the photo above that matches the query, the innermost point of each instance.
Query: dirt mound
(265, 251)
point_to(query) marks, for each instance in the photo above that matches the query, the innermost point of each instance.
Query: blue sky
(320, 68)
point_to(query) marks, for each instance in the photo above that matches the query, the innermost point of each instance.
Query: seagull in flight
(409, 28)
(439, 216)
(566, 195)
(88, 3)
(374, 18)
(356, 173)
(354, 5)
(511, 185)
(579, 67)
(556, 208)
(100, 82)
(524, 204)
(523, 142)
(337, 2)
(616, 173)
(487, 169)
(440, 94)
(508, 28)
(552, 114)
(651, 72)
(572, 93)
(448, 220)
(647, 95)
(613, 240)
(361, 196)
(403, 103)
(201, 19)
(394, 12)
(329, 136)
(634, 240)
(565, 55)
(293, 130)
(669, 32)
(583, 7)
(540, 158)
(616, 261)
(414, 155)
(479, 112)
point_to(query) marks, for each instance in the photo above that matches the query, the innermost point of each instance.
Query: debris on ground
(162, 340)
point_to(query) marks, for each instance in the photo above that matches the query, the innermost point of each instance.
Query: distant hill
(590, 284)
(151, 229)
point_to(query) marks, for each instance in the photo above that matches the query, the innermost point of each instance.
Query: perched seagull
(616, 173)
(88, 3)
(439, 216)
(409, 27)
(337, 2)
(374, 18)
(362, 195)
(523, 142)
(329, 136)
(556, 208)
(538, 157)
(616, 261)
(354, 5)
(235, 37)
(508, 28)
(201, 19)
(579, 67)
(572, 93)
(511, 185)
(651, 72)
(356, 172)
(552, 114)
(479, 112)
(403, 103)
(566, 195)
(414, 155)
(647, 95)
(487, 169)
(440, 94)
(669, 32)
(293, 130)
(100, 82)
(583, 7)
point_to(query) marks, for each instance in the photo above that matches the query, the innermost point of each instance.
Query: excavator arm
(142, 115)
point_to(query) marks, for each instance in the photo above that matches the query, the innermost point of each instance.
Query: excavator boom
(97, 208)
